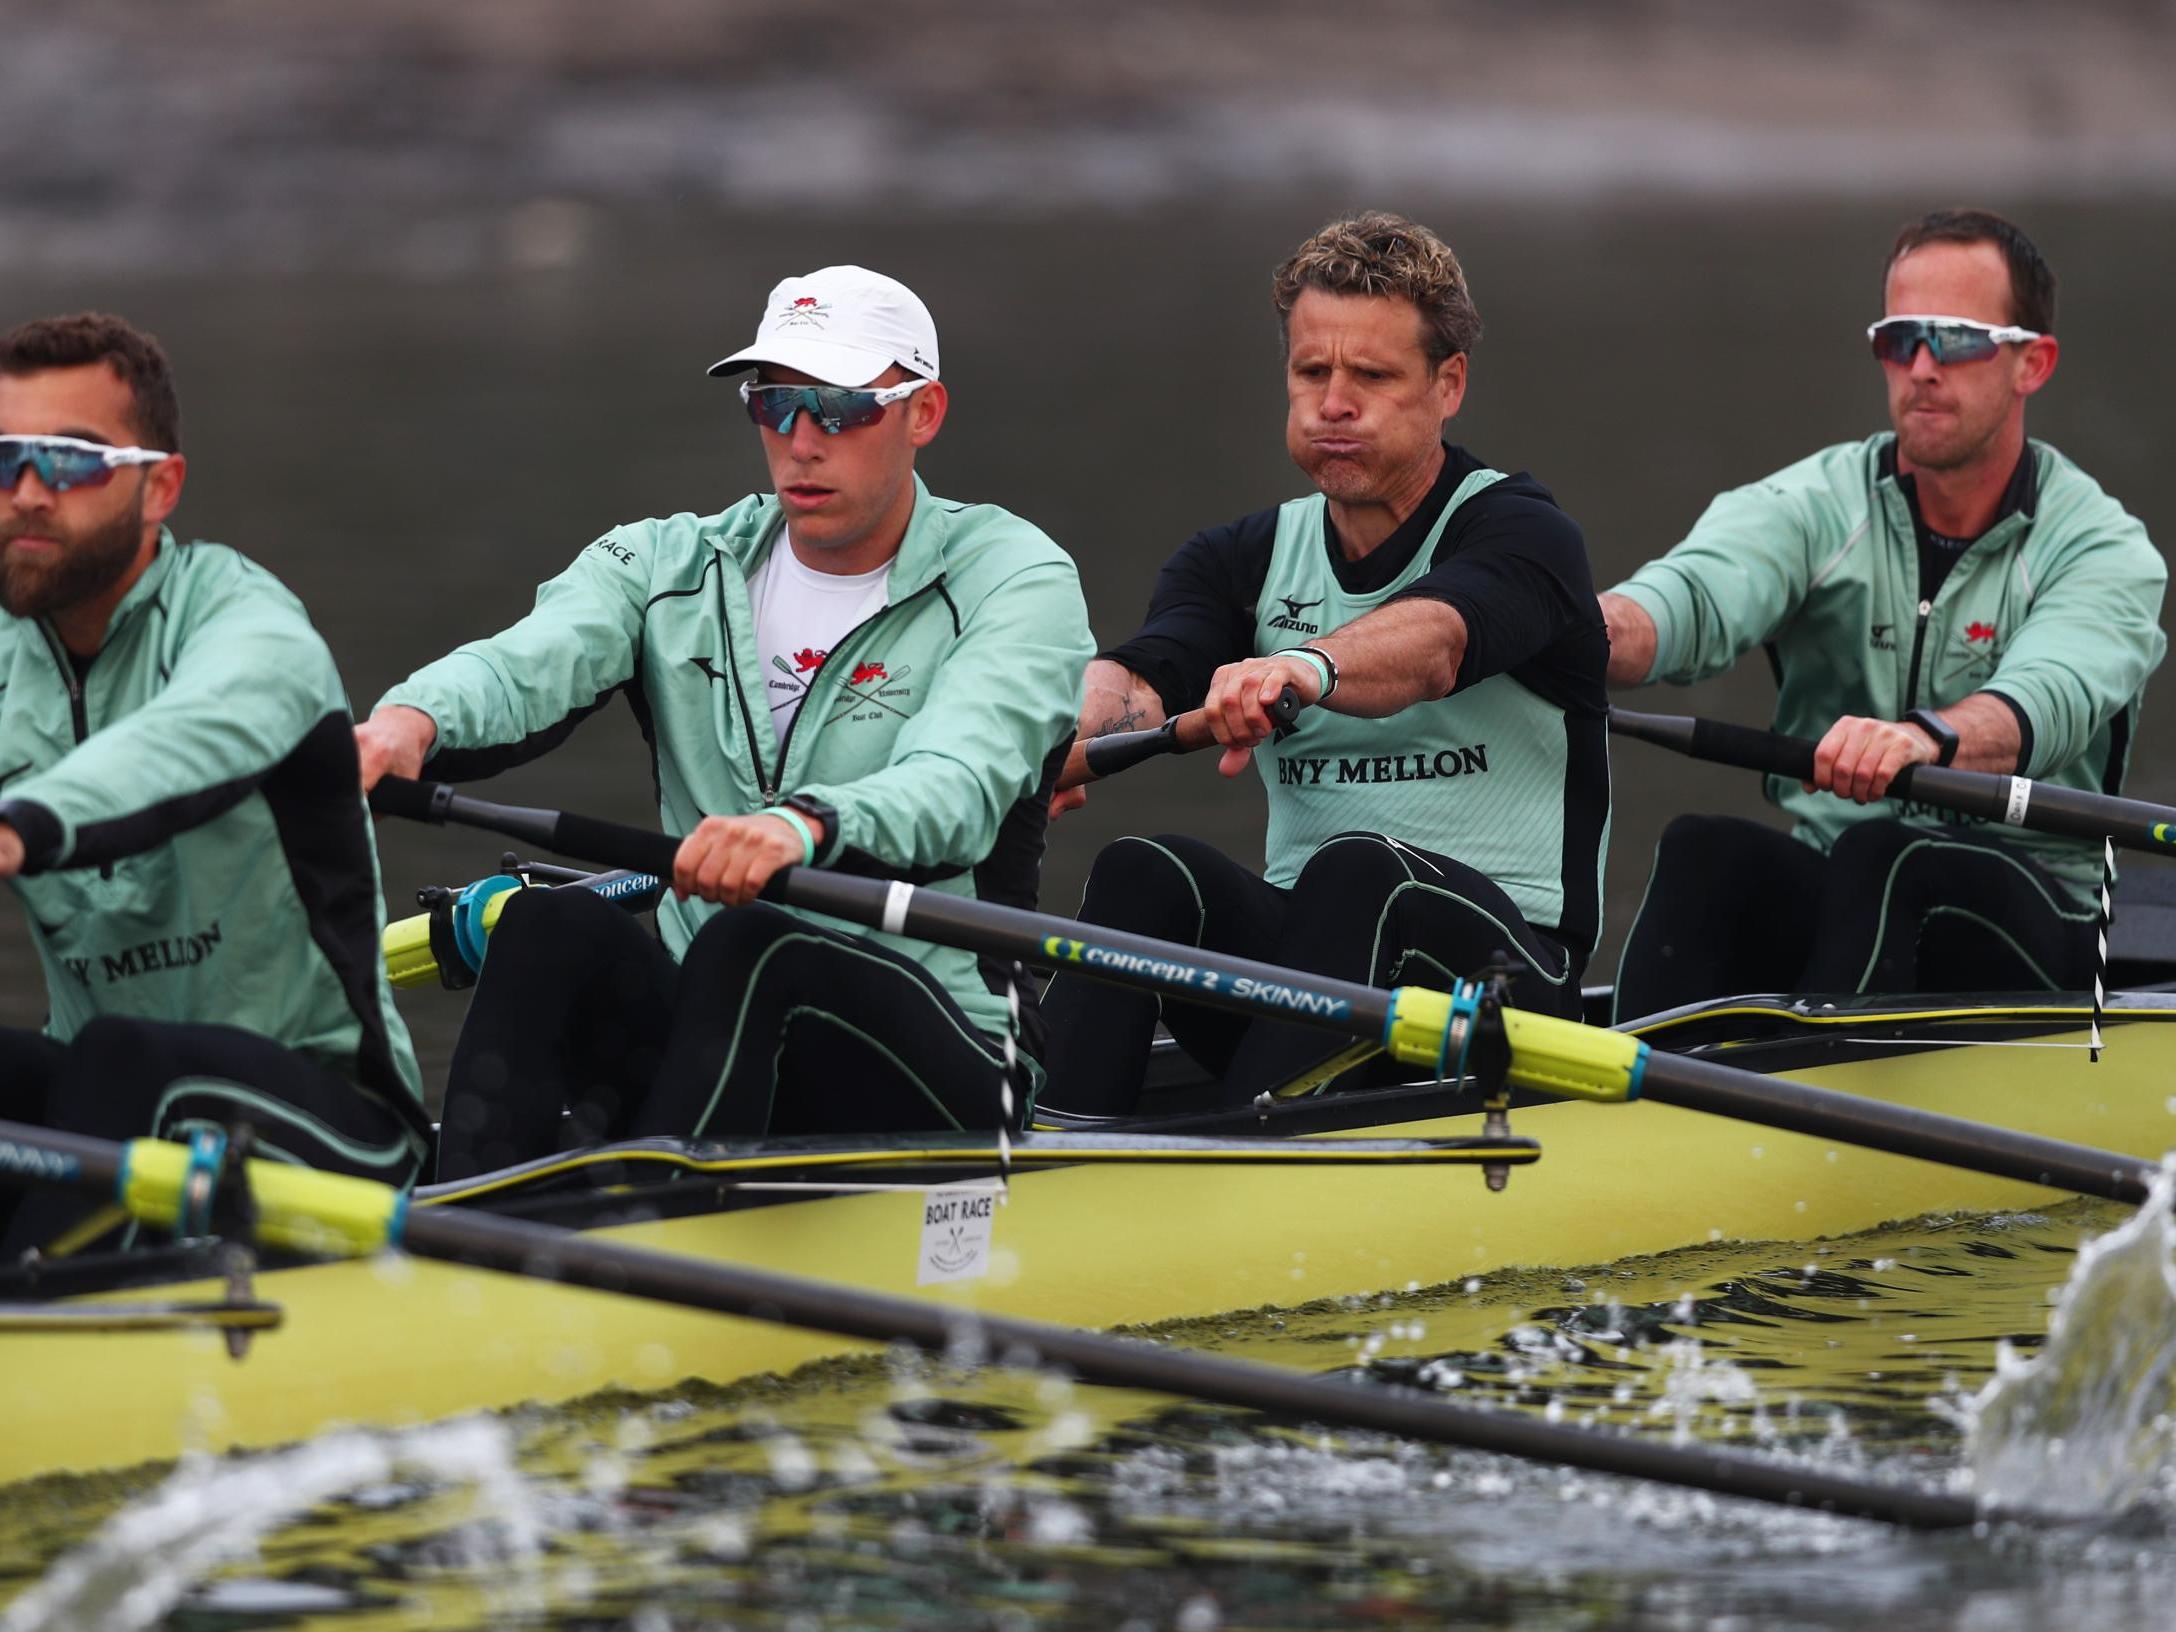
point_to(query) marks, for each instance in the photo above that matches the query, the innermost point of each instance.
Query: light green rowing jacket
(2056, 608)
(927, 728)
(197, 844)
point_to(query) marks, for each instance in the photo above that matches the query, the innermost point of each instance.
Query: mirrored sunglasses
(63, 462)
(835, 408)
(1950, 339)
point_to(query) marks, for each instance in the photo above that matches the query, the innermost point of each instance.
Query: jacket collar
(919, 563)
(2020, 498)
(147, 588)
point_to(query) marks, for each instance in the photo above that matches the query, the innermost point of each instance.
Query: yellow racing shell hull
(394, 1341)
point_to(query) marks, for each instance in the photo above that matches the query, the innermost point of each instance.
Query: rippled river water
(889, 1492)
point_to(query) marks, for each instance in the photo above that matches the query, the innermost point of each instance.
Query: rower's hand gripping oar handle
(2013, 801)
(1094, 758)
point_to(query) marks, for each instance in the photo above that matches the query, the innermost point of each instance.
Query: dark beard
(89, 565)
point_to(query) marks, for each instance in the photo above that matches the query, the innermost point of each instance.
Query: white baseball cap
(843, 325)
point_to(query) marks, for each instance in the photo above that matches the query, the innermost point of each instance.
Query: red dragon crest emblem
(807, 658)
(866, 672)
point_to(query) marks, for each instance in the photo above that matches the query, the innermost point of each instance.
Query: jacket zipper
(78, 709)
(1919, 641)
(747, 717)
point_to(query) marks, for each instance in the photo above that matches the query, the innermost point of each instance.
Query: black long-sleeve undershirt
(1511, 562)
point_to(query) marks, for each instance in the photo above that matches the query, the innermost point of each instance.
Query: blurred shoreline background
(441, 281)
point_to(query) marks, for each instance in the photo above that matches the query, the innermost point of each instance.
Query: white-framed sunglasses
(1950, 339)
(63, 462)
(834, 407)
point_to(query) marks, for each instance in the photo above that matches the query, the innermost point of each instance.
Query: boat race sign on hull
(956, 1226)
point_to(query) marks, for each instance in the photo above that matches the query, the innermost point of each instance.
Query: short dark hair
(1379, 253)
(100, 337)
(2032, 281)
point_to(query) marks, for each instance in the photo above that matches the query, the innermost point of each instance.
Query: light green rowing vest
(1478, 776)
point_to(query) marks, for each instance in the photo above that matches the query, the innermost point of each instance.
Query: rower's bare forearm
(1114, 698)
(1987, 734)
(1405, 653)
(1631, 640)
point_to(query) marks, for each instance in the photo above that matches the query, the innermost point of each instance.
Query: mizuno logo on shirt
(1884, 637)
(1302, 771)
(1291, 618)
(706, 666)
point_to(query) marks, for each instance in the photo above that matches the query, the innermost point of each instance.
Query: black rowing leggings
(1734, 906)
(126, 1079)
(1364, 908)
(769, 1025)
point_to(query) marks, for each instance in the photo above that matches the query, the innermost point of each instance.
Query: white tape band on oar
(896, 901)
(2020, 801)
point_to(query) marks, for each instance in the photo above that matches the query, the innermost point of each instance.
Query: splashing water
(1695, 1380)
(146, 1558)
(2088, 1425)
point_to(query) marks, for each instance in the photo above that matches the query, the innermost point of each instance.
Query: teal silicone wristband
(1318, 662)
(800, 826)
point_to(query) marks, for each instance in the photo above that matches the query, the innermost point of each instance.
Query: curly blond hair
(1381, 253)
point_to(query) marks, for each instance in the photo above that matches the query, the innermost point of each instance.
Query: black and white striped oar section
(2100, 966)
(2014, 801)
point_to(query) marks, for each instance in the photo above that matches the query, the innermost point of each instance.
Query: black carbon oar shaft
(1239, 984)
(2012, 801)
(1778, 1102)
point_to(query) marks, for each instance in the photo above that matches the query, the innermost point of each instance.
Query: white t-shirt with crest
(800, 615)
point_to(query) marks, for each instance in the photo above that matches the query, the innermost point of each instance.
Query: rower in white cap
(844, 672)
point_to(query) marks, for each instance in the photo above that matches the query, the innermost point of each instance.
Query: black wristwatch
(816, 811)
(1944, 734)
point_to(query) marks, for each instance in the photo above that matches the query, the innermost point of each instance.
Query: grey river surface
(413, 456)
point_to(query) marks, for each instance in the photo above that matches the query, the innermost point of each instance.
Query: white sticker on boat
(956, 1234)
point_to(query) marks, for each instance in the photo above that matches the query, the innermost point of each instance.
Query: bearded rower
(1444, 797)
(179, 807)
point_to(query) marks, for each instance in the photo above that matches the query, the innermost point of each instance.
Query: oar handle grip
(612, 844)
(1093, 758)
(1115, 751)
(1718, 741)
